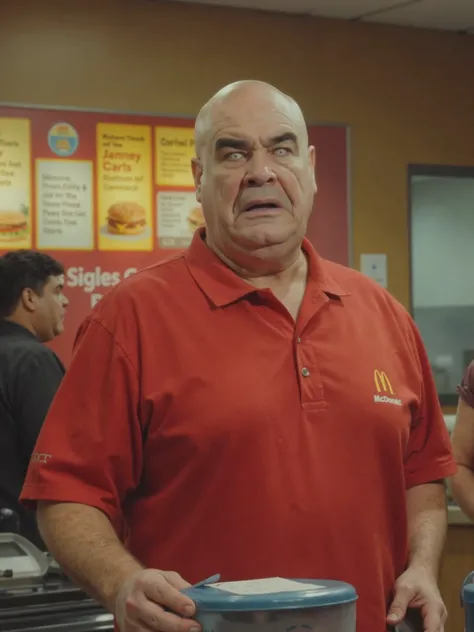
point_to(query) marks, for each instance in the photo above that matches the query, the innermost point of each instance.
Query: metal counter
(55, 604)
(35, 594)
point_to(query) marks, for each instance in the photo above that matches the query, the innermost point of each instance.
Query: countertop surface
(457, 517)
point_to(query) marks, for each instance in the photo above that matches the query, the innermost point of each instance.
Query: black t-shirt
(30, 374)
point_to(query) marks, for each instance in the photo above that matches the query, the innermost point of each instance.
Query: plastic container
(275, 605)
(467, 602)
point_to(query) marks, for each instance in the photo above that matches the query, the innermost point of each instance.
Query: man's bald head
(238, 96)
(254, 175)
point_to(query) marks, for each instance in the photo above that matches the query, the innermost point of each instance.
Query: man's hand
(416, 588)
(151, 600)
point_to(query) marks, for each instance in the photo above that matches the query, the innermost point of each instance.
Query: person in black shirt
(32, 310)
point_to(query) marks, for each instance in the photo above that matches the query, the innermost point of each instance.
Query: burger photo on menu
(126, 219)
(13, 226)
(195, 219)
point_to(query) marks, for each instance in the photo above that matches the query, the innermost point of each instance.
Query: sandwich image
(64, 144)
(13, 226)
(62, 130)
(126, 218)
(195, 219)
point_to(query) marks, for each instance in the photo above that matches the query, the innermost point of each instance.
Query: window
(442, 269)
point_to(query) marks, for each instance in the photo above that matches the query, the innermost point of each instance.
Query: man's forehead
(239, 111)
(254, 110)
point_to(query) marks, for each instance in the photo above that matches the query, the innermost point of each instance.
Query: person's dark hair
(21, 270)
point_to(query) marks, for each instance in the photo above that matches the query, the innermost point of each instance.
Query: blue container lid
(318, 594)
(468, 594)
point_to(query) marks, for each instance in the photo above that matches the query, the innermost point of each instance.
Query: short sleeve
(466, 388)
(428, 456)
(89, 450)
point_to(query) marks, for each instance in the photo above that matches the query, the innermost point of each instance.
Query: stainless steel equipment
(36, 595)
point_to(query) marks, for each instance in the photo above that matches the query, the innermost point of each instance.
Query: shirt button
(298, 340)
(305, 372)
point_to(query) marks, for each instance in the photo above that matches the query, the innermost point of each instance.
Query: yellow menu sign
(15, 184)
(124, 187)
(174, 151)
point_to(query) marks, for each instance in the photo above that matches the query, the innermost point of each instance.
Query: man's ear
(197, 175)
(29, 300)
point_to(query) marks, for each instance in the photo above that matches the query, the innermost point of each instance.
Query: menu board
(108, 194)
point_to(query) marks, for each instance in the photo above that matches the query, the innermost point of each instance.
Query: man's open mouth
(258, 206)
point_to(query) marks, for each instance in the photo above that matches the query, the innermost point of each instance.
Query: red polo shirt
(232, 441)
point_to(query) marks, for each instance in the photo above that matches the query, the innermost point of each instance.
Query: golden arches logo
(382, 383)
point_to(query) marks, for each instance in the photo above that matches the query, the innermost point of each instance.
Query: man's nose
(259, 172)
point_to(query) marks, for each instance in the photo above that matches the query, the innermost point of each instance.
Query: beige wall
(408, 95)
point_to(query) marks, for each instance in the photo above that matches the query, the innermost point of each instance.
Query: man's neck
(293, 273)
(276, 274)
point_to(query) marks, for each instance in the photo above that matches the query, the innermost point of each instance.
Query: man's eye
(235, 155)
(282, 151)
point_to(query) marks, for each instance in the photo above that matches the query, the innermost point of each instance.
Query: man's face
(50, 309)
(255, 172)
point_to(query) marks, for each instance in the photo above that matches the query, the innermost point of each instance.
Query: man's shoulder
(15, 343)
(28, 355)
(157, 275)
(161, 277)
(41, 355)
(134, 297)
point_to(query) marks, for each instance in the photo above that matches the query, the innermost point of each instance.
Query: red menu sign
(108, 194)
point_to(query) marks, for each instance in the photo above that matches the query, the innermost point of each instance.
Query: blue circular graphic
(63, 139)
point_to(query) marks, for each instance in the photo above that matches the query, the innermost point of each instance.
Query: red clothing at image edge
(238, 443)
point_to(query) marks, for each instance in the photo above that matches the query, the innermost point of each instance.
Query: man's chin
(59, 329)
(268, 237)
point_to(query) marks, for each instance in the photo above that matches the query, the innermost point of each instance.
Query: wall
(407, 94)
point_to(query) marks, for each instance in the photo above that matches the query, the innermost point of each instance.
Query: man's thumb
(399, 606)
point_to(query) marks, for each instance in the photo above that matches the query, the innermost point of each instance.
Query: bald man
(247, 408)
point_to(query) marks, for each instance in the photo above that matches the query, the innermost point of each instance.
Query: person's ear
(197, 175)
(29, 300)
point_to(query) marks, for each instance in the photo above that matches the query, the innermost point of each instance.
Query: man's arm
(417, 587)
(427, 526)
(93, 438)
(428, 461)
(83, 541)
(462, 483)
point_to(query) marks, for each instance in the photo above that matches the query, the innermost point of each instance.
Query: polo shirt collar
(9, 328)
(223, 287)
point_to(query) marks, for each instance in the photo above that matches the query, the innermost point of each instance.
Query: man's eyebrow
(231, 143)
(283, 138)
(239, 144)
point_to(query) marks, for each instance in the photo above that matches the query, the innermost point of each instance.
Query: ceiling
(451, 15)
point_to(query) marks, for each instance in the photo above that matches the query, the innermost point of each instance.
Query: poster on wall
(108, 194)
